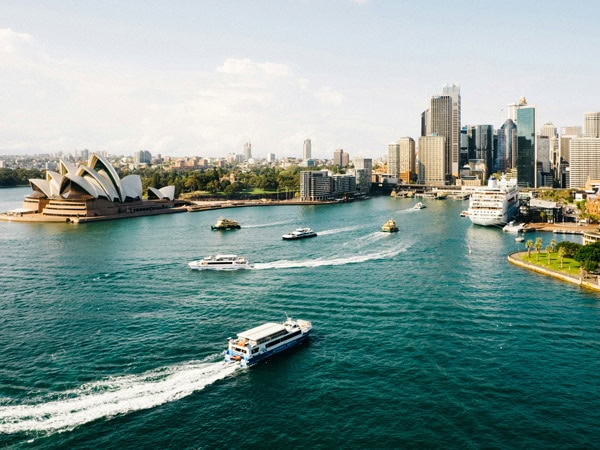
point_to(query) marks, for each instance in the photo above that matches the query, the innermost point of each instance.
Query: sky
(203, 77)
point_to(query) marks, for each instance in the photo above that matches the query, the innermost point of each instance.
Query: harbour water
(425, 338)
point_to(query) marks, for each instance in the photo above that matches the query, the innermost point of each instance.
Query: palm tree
(529, 244)
(538, 246)
(553, 244)
(548, 251)
(561, 255)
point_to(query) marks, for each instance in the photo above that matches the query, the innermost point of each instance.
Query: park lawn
(570, 266)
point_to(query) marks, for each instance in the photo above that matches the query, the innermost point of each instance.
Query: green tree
(529, 244)
(553, 244)
(561, 254)
(548, 252)
(570, 248)
(538, 246)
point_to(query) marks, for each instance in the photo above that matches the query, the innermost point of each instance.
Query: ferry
(299, 233)
(494, 204)
(221, 262)
(420, 205)
(226, 224)
(259, 343)
(390, 226)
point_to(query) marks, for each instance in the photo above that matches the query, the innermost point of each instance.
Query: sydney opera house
(89, 193)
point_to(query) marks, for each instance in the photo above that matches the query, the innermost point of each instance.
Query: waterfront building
(432, 160)
(363, 171)
(591, 124)
(306, 150)
(91, 191)
(343, 183)
(315, 185)
(526, 173)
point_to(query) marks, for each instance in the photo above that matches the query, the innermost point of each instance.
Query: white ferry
(299, 233)
(259, 343)
(495, 204)
(221, 262)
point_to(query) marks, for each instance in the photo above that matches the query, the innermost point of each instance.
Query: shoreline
(580, 281)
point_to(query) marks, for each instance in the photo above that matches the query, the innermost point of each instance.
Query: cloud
(247, 67)
(329, 97)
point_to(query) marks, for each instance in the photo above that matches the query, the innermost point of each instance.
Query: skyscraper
(506, 151)
(340, 158)
(591, 124)
(441, 125)
(432, 155)
(526, 165)
(306, 150)
(454, 93)
(393, 160)
(247, 151)
(407, 159)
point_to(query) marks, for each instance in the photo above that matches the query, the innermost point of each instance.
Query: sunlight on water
(111, 397)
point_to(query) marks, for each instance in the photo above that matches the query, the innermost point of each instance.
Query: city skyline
(188, 79)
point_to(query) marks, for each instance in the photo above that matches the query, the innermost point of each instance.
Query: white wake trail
(319, 262)
(337, 230)
(111, 397)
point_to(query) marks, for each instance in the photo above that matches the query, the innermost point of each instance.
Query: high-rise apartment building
(315, 185)
(432, 160)
(306, 150)
(591, 124)
(526, 163)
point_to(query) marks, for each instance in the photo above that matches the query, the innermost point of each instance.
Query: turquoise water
(426, 338)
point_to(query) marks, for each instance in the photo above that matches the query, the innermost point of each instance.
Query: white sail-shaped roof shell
(40, 185)
(132, 187)
(167, 192)
(101, 181)
(82, 183)
(101, 165)
(54, 179)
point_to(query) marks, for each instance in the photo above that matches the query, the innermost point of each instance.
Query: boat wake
(337, 230)
(320, 262)
(111, 397)
(264, 225)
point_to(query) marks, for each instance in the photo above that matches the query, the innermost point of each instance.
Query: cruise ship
(495, 204)
(259, 343)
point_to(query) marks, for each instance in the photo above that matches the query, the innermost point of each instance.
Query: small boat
(512, 227)
(390, 226)
(464, 214)
(221, 262)
(299, 233)
(519, 239)
(226, 224)
(420, 205)
(259, 343)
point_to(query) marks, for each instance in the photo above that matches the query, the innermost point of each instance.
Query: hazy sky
(203, 77)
